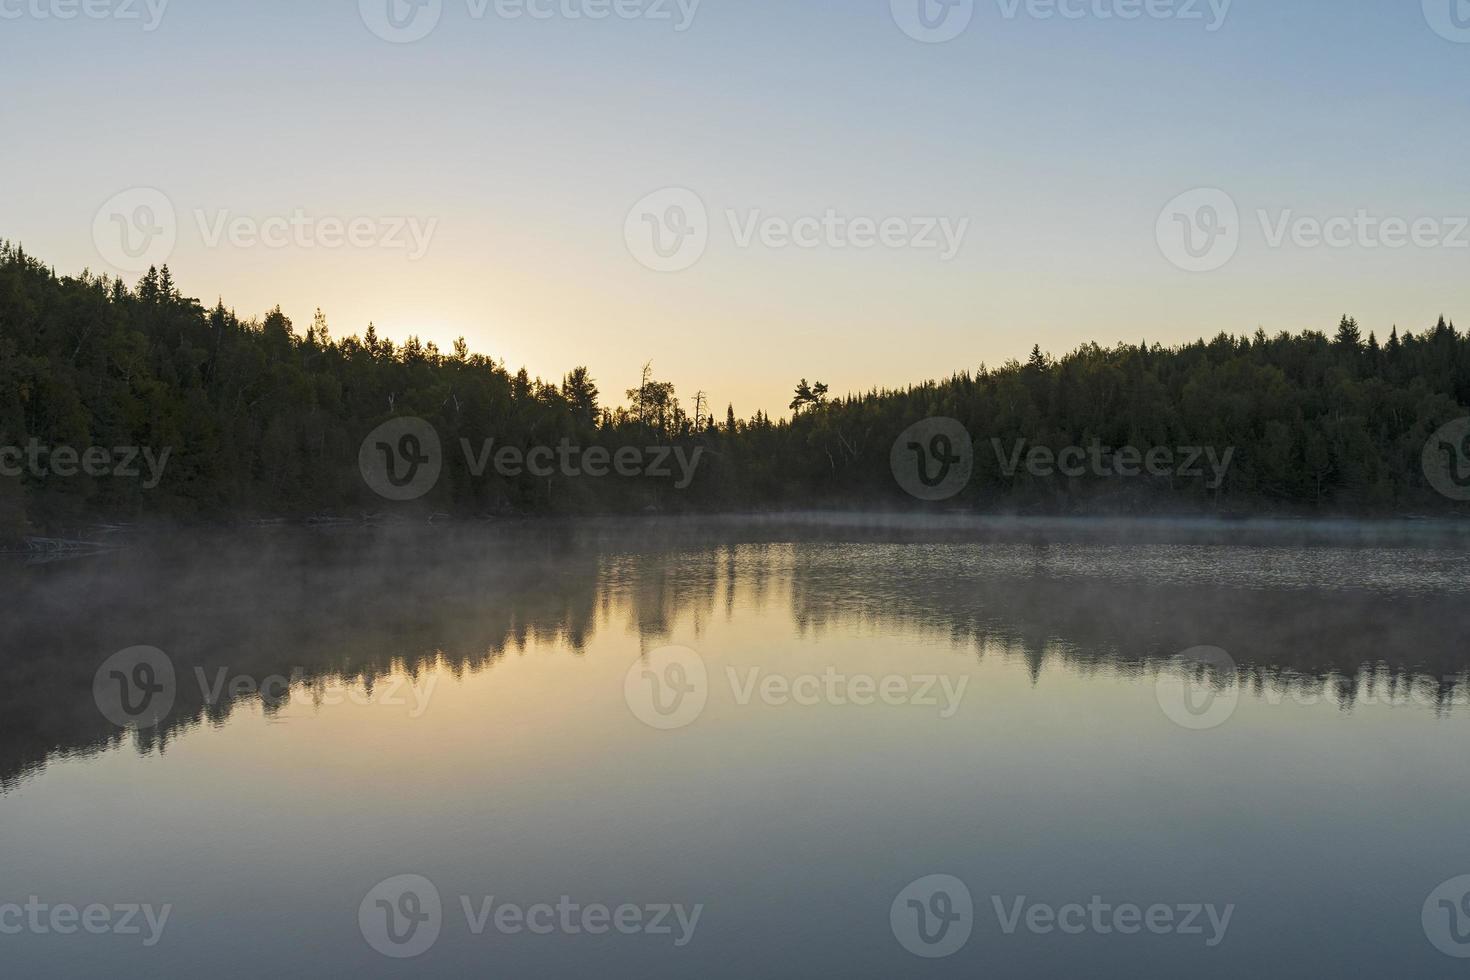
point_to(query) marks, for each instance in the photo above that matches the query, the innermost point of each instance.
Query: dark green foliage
(262, 421)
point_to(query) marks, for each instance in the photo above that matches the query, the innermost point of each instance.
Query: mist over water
(877, 699)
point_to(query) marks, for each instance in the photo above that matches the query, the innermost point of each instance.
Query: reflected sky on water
(500, 714)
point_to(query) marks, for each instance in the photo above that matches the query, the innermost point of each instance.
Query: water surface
(498, 713)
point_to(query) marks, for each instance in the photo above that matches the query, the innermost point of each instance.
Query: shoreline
(772, 526)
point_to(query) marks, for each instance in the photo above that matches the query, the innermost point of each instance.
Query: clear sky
(525, 142)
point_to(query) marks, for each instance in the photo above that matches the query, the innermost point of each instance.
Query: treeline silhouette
(263, 419)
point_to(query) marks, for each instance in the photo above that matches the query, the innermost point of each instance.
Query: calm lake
(832, 748)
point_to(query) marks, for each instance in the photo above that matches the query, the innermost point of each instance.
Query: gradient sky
(530, 140)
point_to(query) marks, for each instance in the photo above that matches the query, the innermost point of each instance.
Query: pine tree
(803, 397)
(581, 393)
(148, 286)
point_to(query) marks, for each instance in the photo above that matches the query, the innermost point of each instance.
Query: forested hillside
(262, 418)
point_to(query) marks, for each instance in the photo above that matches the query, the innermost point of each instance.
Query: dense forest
(262, 419)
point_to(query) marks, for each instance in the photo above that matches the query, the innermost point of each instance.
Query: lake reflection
(845, 713)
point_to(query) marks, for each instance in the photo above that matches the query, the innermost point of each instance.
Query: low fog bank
(1321, 603)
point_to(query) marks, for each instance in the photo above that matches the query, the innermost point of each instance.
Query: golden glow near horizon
(855, 332)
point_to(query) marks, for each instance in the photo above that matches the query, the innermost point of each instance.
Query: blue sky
(526, 142)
